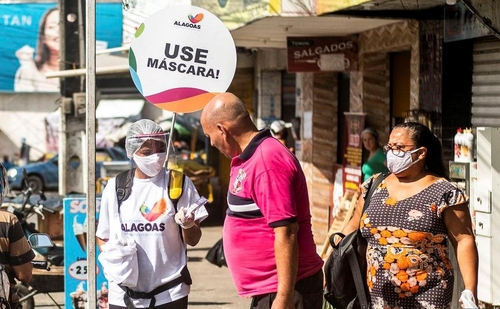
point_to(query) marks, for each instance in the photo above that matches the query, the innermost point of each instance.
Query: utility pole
(77, 153)
(72, 153)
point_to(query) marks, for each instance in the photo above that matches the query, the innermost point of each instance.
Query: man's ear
(220, 128)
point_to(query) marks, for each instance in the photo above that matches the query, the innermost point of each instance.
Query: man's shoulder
(6, 216)
(273, 148)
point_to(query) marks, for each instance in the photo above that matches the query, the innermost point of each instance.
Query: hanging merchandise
(468, 145)
(457, 145)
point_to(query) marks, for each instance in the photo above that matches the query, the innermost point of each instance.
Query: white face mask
(150, 165)
(396, 164)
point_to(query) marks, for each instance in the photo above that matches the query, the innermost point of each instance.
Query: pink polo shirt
(267, 189)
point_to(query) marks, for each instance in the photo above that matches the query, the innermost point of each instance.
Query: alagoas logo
(158, 209)
(193, 21)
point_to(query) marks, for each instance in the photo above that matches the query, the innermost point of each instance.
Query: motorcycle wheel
(21, 291)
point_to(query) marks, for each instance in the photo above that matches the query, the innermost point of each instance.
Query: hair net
(141, 131)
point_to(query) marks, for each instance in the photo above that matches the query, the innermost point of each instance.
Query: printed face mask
(150, 165)
(396, 164)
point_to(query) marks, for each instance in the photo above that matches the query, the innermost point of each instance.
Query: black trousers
(308, 294)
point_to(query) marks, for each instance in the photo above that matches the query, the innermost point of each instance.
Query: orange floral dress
(407, 253)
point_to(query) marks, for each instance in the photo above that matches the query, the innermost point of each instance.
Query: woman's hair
(372, 131)
(42, 50)
(423, 137)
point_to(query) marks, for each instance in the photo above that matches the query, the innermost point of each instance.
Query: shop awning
(118, 108)
(272, 32)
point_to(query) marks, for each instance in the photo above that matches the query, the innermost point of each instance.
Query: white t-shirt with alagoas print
(148, 216)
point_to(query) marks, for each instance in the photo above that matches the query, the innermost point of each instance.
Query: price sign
(78, 270)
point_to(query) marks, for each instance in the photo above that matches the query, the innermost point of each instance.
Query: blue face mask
(398, 164)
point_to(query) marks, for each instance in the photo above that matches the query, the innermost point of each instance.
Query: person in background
(15, 252)
(6, 163)
(411, 216)
(279, 130)
(25, 152)
(376, 162)
(149, 216)
(30, 77)
(267, 235)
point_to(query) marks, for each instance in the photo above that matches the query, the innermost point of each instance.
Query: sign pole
(91, 139)
(170, 142)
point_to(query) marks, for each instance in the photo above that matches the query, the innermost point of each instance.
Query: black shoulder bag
(345, 269)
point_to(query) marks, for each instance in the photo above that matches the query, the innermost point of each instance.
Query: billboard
(30, 42)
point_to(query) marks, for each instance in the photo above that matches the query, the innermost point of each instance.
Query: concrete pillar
(268, 70)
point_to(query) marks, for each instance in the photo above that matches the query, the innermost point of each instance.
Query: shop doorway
(400, 86)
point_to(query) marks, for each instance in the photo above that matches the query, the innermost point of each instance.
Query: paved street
(212, 286)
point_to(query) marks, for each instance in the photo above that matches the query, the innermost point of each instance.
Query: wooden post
(341, 219)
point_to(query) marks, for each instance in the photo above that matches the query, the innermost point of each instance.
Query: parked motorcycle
(53, 254)
(26, 301)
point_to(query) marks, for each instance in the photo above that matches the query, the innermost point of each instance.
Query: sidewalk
(212, 286)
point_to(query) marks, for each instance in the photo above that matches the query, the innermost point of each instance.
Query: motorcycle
(53, 254)
(37, 241)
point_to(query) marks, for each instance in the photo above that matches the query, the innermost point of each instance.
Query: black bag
(345, 269)
(216, 254)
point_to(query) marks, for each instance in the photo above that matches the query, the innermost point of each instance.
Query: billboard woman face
(51, 32)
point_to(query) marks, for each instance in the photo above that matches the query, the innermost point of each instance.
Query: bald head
(225, 107)
(227, 117)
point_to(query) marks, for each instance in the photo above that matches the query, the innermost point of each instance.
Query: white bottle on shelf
(468, 139)
(457, 145)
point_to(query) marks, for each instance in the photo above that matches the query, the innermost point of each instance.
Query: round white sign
(181, 58)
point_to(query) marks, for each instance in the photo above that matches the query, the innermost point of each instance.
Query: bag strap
(175, 186)
(123, 185)
(373, 187)
(358, 279)
(352, 258)
(175, 190)
(129, 293)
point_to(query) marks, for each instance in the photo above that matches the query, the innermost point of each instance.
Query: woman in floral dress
(412, 215)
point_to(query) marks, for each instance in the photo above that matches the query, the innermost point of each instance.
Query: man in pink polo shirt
(267, 235)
